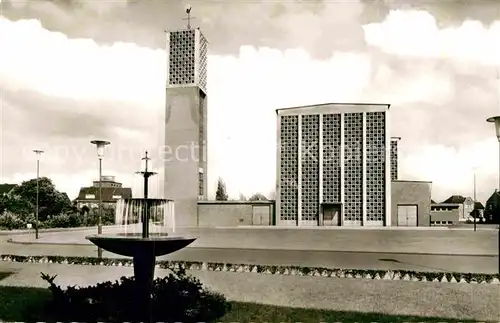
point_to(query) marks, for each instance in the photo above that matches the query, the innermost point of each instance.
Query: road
(329, 259)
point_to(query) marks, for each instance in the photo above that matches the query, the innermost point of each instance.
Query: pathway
(74, 244)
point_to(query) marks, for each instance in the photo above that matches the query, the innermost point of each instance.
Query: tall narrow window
(200, 180)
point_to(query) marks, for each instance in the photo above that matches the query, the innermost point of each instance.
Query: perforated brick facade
(331, 158)
(333, 154)
(203, 52)
(187, 52)
(375, 168)
(310, 168)
(394, 160)
(289, 132)
(353, 171)
(181, 64)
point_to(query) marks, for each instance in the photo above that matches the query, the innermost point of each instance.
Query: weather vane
(188, 12)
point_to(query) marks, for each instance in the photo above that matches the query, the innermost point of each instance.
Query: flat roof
(340, 106)
(410, 181)
(456, 205)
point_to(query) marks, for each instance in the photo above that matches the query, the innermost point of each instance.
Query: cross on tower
(188, 12)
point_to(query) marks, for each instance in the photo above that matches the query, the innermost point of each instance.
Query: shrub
(177, 297)
(72, 220)
(11, 221)
(108, 217)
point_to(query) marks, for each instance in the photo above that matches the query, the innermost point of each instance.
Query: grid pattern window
(353, 167)
(331, 158)
(201, 126)
(181, 57)
(289, 130)
(310, 168)
(394, 160)
(203, 63)
(375, 166)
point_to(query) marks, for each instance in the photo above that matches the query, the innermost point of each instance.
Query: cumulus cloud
(67, 81)
(470, 42)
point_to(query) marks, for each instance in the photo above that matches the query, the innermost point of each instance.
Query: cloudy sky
(72, 71)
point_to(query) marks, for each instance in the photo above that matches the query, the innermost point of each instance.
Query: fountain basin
(132, 245)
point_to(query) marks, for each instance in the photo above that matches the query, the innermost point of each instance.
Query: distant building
(466, 205)
(112, 191)
(492, 208)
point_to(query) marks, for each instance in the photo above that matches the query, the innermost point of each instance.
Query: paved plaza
(73, 243)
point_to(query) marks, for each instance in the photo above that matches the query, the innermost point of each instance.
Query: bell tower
(185, 152)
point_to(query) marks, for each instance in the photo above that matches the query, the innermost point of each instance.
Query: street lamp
(496, 121)
(100, 144)
(38, 153)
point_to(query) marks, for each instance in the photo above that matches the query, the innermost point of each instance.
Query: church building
(336, 164)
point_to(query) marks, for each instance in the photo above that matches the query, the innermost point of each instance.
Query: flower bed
(443, 277)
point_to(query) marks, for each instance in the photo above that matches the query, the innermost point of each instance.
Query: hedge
(443, 277)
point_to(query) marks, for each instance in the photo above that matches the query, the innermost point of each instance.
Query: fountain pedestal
(144, 273)
(143, 252)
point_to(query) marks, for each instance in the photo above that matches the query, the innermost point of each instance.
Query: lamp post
(38, 153)
(496, 121)
(100, 144)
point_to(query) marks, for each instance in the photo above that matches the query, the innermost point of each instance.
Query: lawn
(24, 304)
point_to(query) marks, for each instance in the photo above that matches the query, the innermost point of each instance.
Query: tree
(16, 205)
(220, 194)
(475, 214)
(242, 197)
(258, 197)
(50, 201)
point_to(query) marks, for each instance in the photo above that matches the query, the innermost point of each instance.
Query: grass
(26, 304)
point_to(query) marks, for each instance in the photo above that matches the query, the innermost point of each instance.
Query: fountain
(143, 247)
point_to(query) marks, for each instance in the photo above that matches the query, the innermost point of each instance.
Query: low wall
(232, 213)
(445, 214)
(445, 241)
(449, 217)
(50, 230)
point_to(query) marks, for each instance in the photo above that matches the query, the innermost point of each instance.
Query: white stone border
(442, 277)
